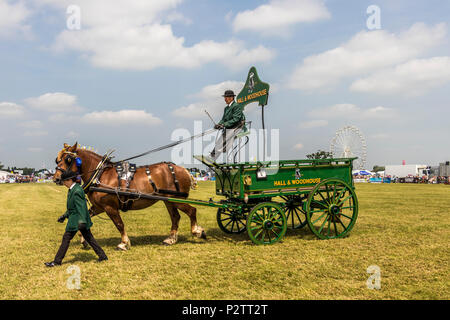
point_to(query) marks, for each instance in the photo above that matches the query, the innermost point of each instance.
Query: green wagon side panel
(285, 177)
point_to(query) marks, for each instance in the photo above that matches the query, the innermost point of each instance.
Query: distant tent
(362, 173)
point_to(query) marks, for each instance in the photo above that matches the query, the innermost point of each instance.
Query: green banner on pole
(254, 90)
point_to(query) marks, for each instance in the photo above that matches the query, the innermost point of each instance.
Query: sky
(129, 75)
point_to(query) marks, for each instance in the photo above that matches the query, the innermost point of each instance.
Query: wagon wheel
(295, 215)
(266, 223)
(231, 220)
(331, 209)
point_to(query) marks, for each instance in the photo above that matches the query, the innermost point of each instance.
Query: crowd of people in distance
(409, 179)
(22, 179)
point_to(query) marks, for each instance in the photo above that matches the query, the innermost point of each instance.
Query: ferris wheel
(349, 142)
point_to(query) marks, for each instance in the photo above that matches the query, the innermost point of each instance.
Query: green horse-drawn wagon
(265, 198)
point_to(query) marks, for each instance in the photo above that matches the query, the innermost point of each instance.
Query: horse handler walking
(79, 219)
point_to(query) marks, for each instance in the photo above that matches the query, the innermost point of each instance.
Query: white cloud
(63, 118)
(12, 18)
(10, 110)
(33, 124)
(178, 17)
(365, 52)
(35, 133)
(122, 117)
(209, 98)
(412, 78)
(313, 124)
(352, 112)
(130, 35)
(275, 17)
(54, 102)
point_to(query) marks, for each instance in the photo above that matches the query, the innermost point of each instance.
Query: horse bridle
(68, 160)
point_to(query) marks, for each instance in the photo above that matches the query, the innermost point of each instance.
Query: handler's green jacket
(77, 210)
(233, 115)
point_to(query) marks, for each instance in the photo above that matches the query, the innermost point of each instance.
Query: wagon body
(271, 179)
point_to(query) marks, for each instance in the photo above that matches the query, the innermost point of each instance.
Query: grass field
(403, 229)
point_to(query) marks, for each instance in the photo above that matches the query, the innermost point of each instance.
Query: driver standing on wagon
(232, 122)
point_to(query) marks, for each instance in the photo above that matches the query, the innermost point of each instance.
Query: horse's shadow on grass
(301, 234)
(213, 235)
(84, 256)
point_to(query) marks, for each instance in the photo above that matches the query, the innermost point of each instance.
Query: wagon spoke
(299, 219)
(275, 233)
(278, 220)
(292, 217)
(256, 228)
(335, 227)
(319, 217)
(340, 221)
(319, 203)
(321, 227)
(259, 217)
(345, 199)
(320, 194)
(271, 213)
(346, 216)
(239, 221)
(232, 226)
(328, 228)
(228, 223)
(335, 193)
(315, 211)
(258, 233)
(341, 193)
(328, 192)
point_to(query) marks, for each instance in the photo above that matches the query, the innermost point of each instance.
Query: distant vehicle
(407, 170)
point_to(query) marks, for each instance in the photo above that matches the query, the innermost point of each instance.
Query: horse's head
(65, 161)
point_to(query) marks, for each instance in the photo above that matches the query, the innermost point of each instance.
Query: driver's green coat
(77, 210)
(233, 115)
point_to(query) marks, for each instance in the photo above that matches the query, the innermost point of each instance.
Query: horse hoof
(203, 236)
(121, 247)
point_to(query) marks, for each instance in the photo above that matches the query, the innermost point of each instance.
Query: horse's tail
(194, 184)
(193, 181)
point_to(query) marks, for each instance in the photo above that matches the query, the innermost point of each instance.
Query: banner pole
(264, 133)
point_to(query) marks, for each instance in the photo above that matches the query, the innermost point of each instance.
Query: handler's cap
(229, 93)
(68, 175)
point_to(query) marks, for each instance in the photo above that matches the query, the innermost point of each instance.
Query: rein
(167, 146)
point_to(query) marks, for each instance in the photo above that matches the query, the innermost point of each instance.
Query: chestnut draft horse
(161, 176)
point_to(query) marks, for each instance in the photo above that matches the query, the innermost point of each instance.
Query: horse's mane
(91, 152)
